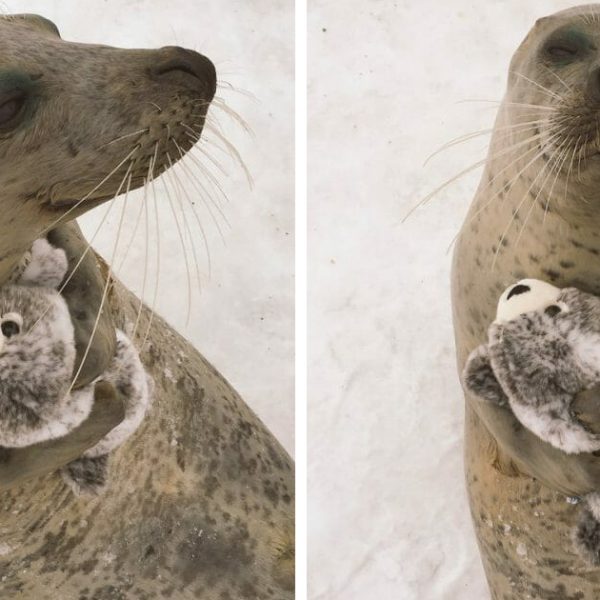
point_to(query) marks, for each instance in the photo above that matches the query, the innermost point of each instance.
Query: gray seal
(200, 499)
(536, 214)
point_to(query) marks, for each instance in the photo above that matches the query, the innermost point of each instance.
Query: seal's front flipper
(87, 475)
(479, 379)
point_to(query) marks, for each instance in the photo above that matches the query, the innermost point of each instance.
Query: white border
(301, 297)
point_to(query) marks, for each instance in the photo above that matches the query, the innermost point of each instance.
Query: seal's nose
(179, 64)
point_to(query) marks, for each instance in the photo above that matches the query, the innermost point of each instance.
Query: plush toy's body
(37, 362)
(543, 349)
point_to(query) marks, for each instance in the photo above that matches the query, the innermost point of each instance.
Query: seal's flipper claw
(87, 475)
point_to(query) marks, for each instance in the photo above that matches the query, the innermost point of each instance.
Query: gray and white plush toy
(543, 349)
(37, 363)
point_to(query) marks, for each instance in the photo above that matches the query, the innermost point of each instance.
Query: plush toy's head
(37, 348)
(526, 296)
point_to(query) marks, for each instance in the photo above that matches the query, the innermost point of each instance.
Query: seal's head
(553, 100)
(77, 121)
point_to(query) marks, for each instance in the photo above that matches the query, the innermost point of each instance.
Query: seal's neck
(521, 235)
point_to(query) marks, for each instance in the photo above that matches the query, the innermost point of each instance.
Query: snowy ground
(243, 319)
(387, 507)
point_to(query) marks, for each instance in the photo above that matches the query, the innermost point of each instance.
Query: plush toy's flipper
(586, 536)
(87, 475)
(539, 373)
(129, 377)
(479, 379)
(48, 266)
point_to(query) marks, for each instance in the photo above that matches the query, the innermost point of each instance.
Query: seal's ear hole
(517, 290)
(553, 310)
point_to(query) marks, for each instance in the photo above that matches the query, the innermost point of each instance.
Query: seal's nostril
(179, 60)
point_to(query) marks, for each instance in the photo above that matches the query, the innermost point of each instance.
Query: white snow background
(388, 513)
(242, 320)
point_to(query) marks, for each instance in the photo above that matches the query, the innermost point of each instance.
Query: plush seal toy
(37, 363)
(543, 349)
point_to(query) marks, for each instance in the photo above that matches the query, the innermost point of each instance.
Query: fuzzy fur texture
(36, 369)
(537, 362)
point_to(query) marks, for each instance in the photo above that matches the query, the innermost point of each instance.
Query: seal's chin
(89, 201)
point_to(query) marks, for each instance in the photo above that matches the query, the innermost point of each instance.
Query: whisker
(88, 246)
(106, 288)
(184, 249)
(179, 189)
(560, 79)
(516, 211)
(511, 104)
(230, 87)
(505, 188)
(199, 187)
(156, 281)
(79, 202)
(549, 92)
(235, 154)
(551, 163)
(469, 136)
(149, 176)
(191, 204)
(213, 160)
(123, 137)
(235, 116)
(465, 172)
(565, 154)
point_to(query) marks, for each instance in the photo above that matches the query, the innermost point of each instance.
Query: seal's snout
(188, 67)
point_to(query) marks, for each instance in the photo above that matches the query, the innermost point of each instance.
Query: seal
(199, 503)
(536, 214)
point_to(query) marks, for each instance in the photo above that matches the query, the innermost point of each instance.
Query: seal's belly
(523, 529)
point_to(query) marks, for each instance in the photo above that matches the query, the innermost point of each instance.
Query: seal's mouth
(164, 138)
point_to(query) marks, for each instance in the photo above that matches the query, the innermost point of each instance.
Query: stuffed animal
(37, 363)
(543, 349)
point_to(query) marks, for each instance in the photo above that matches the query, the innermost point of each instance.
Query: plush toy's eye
(553, 310)
(11, 325)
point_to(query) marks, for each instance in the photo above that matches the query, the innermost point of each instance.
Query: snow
(242, 320)
(388, 513)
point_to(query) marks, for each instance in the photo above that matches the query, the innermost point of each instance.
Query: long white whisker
(184, 249)
(79, 202)
(106, 288)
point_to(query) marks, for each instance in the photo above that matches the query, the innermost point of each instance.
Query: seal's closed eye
(11, 105)
(566, 45)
